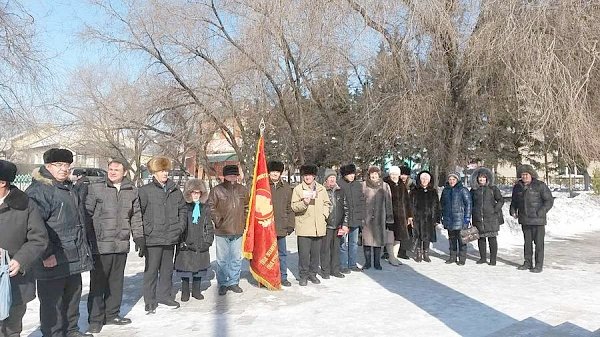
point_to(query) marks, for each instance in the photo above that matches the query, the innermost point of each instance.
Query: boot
(493, 250)
(426, 255)
(377, 262)
(392, 259)
(196, 292)
(402, 254)
(452, 257)
(482, 251)
(418, 255)
(462, 258)
(367, 251)
(185, 289)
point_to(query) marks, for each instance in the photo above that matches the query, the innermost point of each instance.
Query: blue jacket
(456, 207)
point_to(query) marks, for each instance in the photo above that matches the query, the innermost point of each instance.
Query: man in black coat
(25, 238)
(531, 200)
(357, 210)
(68, 253)
(281, 196)
(164, 217)
(114, 212)
(338, 218)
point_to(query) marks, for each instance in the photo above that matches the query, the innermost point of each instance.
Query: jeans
(348, 248)
(282, 250)
(229, 259)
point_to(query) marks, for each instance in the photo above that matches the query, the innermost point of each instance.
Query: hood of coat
(42, 175)
(527, 168)
(16, 199)
(481, 171)
(373, 184)
(195, 185)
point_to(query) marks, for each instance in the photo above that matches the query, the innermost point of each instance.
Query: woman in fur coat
(193, 259)
(425, 205)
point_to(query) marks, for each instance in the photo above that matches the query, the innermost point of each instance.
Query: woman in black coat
(486, 212)
(192, 258)
(425, 205)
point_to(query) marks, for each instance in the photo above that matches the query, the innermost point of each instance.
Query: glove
(140, 246)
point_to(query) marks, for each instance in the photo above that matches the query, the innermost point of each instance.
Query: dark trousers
(493, 248)
(534, 234)
(330, 253)
(106, 287)
(282, 250)
(12, 325)
(158, 269)
(59, 305)
(308, 255)
(455, 244)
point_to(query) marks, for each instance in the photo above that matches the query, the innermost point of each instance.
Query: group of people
(56, 230)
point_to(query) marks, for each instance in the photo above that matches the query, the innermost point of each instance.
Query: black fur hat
(231, 170)
(8, 171)
(347, 169)
(308, 170)
(404, 170)
(275, 165)
(58, 156)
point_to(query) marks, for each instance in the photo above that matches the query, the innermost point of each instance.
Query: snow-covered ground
(415, 299)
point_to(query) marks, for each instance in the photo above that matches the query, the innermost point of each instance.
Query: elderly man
(357, 209)
(228, 204)
(336, 221)
(24, 238)
(68, 253)
(531, 200)
(114, 209)
(164, 217)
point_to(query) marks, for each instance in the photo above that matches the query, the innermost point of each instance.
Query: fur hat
(275, 165)
(527, 169)
(425, 173)
(394, 170)
(328, 173)
(195, 185)
(231, 170)
(404, 170)
(8, 171)
(374, 169)
(347, 169)
(159, 163)
(55, 155)
(308, 170)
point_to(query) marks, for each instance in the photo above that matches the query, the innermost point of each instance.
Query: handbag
(469, 234)
(5, 292)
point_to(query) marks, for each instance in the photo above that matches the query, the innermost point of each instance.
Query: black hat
(231, 170)
(404, 170)
(8, 171)
(308, 170)
(275, 165)
(527, 169)
(347, 169)
(58, 156)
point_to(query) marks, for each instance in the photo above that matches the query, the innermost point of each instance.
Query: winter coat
(356, 202)
(64, 216)
(281, 197)
(426, 210)
(487, 204)
(531, 202)
(410, 185)
(198, 237)
(401, 209)
(164, 213)
(228, 205)
(25, 237)
(338, 215)
(311, 219)
(114, 214)
(378, 198)
(456, 207)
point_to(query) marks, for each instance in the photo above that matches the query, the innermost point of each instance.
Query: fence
(560, 183)
(22, 181)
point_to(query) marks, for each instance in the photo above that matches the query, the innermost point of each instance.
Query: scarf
(196, 212)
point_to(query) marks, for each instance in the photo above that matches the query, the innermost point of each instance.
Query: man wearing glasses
(68, 253)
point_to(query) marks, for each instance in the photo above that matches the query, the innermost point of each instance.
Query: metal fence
(22, 181)
(561, 183)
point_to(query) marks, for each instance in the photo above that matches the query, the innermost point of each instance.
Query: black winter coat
(425, 207)
(456, 207)
(487, 203)
(401, 208)
(357, 205)
(114, 214)
(194, 255)
(531, 202)
(64, 216)
(281, 196)
(164, 213)
(338, 212)
(25, 238)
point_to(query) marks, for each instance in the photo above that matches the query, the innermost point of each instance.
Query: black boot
(402, 254)
(426, 255)
(482, 251)
(376, 261)
(452, 257)
(196, 292)
(418, 255)
(493, 250)
(185, 289)
(367, 251)
(462, 258)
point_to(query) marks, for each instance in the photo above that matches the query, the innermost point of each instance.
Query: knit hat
(55, 155)
(404, 170)
(454, 174)
(328, 173)
(8, 171)
(159, 163)
(308, 170)
(394, 170)
(231, 170)
(275, 165)
(347, 169)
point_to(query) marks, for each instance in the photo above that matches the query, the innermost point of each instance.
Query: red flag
(260, 237)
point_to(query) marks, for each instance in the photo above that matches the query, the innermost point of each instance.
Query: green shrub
(596, 181)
